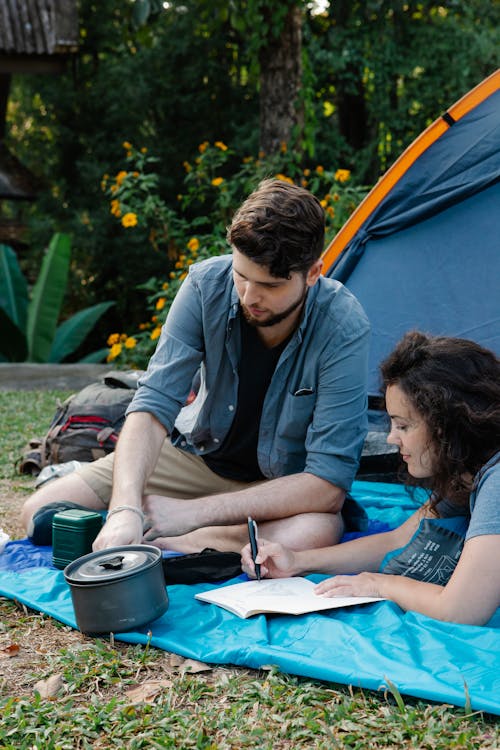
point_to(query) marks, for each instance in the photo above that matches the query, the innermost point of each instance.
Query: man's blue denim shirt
(314, 413)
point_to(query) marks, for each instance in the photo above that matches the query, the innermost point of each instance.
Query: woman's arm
(365, 553)
(471, 596)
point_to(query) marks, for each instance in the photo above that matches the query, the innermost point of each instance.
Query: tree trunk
(281, 109)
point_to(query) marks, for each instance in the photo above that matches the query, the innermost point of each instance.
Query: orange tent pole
(464, 105)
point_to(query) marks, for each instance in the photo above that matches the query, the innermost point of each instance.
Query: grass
(223, 708)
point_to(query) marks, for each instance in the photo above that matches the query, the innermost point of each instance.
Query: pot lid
(111, 564)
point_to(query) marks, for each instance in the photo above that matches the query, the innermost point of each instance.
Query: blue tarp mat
(364, 646)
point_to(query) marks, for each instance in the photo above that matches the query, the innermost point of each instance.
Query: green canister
(73, 532)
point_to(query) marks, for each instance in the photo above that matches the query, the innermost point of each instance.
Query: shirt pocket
(296, 416)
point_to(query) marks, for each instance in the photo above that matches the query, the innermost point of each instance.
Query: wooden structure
(36, 36)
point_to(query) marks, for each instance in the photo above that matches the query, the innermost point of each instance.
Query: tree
(385, 70)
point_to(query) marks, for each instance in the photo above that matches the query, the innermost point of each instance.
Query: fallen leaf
(193, 666)
(175, 660)
(9, 651)
(147, 691)
(50, 687)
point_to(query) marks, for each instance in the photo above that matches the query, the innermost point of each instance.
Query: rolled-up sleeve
(165, 386)
(335, 436)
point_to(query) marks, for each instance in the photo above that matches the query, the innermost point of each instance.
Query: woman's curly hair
(454, 384)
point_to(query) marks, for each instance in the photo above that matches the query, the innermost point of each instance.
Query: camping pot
(117, 589)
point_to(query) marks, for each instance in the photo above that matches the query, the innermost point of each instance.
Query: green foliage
(170, 76)
(197, 228)
(384, 71)
(29, 323)
(46, 299)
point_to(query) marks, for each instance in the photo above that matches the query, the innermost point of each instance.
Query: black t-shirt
(237, 456)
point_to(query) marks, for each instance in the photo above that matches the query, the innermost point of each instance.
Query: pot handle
(114, 563)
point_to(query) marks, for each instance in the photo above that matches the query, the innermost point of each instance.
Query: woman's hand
(363, 584)
(275, 560)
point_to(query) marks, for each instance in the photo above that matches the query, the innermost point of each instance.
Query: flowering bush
(215, 184)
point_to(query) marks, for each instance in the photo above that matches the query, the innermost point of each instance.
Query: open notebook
(291, 596)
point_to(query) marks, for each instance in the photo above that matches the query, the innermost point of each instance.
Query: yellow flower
(172, 274)
(247, 159)
(164, 285)
(187, 166)
(284, 178)
(114, 352)
(193, 244)
(304, 183)
(155, 333)
(135, 174)
(320, 169)
(323, 203)
(115, 208)
(126, 145)
(330, 211)
(217, 181)
(342, 175)
(113, 338)
(144, 150)
(203, 147)
(160, 303)
(307, 172)
(129, 220)
(283, 147)
(113, 188)
(130, 342)
(336, 197)
(120, 177)
(221, 145)
(183, 276)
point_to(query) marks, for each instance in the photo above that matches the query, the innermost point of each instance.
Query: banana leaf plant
(29, 322)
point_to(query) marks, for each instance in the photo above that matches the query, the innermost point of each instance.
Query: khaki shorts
(177, 474)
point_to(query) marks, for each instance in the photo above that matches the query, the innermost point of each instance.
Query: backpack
(86, 425)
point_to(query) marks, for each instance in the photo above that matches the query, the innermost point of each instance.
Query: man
(276, 429)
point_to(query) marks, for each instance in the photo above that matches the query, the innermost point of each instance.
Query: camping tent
(423, 249)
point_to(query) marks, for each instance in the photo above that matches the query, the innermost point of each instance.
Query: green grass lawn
(91, 705)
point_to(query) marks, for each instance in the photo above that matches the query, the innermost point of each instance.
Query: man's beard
(279, 317)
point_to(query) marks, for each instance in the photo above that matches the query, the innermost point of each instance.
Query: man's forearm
(136, 455)
(273, 499)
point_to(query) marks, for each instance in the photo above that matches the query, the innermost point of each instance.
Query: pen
(252, 533)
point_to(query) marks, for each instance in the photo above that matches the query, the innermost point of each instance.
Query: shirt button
(230, 407)
(202, 447)
(183, 443)
(216, 440)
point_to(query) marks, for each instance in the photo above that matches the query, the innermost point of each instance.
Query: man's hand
(276, 561)
(122, 528)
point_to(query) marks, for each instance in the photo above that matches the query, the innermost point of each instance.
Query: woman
(443, 398)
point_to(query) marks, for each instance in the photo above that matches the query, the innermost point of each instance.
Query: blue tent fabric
(365, 646)
(427, 256)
